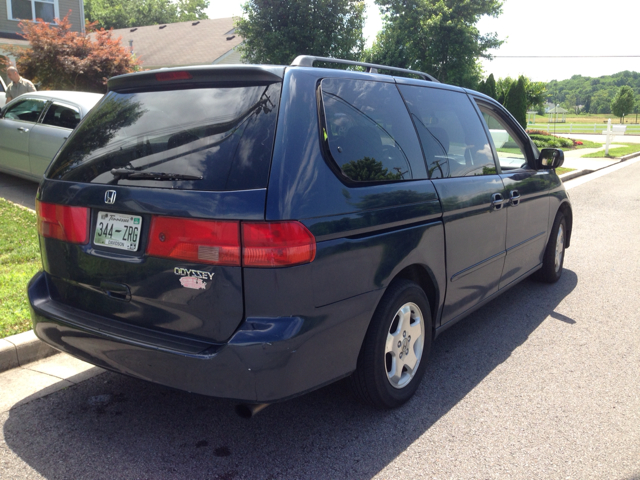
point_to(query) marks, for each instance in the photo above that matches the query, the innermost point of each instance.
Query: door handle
(497, 201)
(22, 129)
(515, 198)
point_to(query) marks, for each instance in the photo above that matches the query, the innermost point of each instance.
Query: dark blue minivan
(257, 232)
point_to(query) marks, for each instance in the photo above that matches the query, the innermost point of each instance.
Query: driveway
(17, 190)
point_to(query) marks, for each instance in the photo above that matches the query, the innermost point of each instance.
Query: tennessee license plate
(118, 230)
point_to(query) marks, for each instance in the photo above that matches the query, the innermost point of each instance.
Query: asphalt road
(542, 383)
(18, 190)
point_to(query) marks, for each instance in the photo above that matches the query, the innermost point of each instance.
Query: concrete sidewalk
(39, 379)
(601, 138)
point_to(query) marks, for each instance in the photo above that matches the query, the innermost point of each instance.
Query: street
(541, 383)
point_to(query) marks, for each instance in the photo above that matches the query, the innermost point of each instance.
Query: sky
(547, 28)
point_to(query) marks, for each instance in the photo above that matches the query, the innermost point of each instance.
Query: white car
(34, 126)
(3, 92)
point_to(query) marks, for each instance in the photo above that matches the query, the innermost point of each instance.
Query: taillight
(63, 222)
(264, 244)
(276, 244)
(168, 76)
(198, 241)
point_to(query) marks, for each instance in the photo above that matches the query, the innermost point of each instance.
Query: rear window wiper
(129, 174)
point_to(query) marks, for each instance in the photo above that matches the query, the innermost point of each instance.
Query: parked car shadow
(113, 426)
(18, 190)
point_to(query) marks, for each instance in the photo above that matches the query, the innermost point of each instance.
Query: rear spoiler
(194, 77)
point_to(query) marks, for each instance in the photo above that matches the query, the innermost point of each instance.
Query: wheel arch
(425, 279)
(565, 209)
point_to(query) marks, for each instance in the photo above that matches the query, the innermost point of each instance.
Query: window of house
(47, 10)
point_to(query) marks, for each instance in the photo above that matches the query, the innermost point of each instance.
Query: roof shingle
(196, 42)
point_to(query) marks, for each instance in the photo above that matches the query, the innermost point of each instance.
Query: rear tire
(396, 348)
(553, 260)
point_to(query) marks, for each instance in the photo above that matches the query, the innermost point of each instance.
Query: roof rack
(309, 60)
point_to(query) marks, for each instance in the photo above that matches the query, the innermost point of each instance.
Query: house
(12, 11)
(198, 42)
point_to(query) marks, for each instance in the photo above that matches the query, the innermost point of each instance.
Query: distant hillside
(594, 93)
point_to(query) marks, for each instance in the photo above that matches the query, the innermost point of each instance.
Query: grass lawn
(588, 144)
(19, 261)
(561, 170)
(591, 118)
(615, 152)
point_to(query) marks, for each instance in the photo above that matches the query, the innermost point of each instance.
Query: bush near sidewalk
(544, 139)
(19, 261)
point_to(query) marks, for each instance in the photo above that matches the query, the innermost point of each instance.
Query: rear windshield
(196, 139)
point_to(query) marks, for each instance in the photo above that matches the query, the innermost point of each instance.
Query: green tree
(516, 102)
(536, 93)
(623, 103)
(139, 13)
(503, 85)
(571, 102)
(601, 101)
(439, 37)
(482, 86)
(491, 86)
(276, 32)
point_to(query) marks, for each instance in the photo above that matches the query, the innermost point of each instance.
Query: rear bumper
(266, 360)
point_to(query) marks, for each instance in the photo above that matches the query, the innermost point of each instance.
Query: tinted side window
(221, 136)
(62, 116)
(28, 110)
(450, 131)
(368, 131)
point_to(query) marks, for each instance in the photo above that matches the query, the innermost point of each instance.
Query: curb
(630, 156)
(21, 349)
(571, 175)
(579, 173)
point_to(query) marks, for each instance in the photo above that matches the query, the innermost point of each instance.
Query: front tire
(396, 348)
(553, 260)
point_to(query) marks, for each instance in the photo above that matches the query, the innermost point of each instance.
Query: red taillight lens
(276, 244)
(167, 76)
(199, 241)
(62, 222)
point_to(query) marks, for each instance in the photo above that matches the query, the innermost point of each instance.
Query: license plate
(118, 230)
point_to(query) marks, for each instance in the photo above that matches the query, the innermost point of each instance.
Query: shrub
(60, 59)
(550, 141)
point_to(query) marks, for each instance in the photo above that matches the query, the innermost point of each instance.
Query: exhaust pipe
(249, 410)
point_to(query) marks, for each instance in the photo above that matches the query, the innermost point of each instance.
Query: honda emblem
(110, 197)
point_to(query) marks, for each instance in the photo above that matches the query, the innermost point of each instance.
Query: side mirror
(550, 158)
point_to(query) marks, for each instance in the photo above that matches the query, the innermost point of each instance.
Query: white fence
(580, 127)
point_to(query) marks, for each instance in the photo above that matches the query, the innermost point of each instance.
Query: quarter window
(62, 116)
(47, 10)
(368, 131)
(453, 140)
(511, 154)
